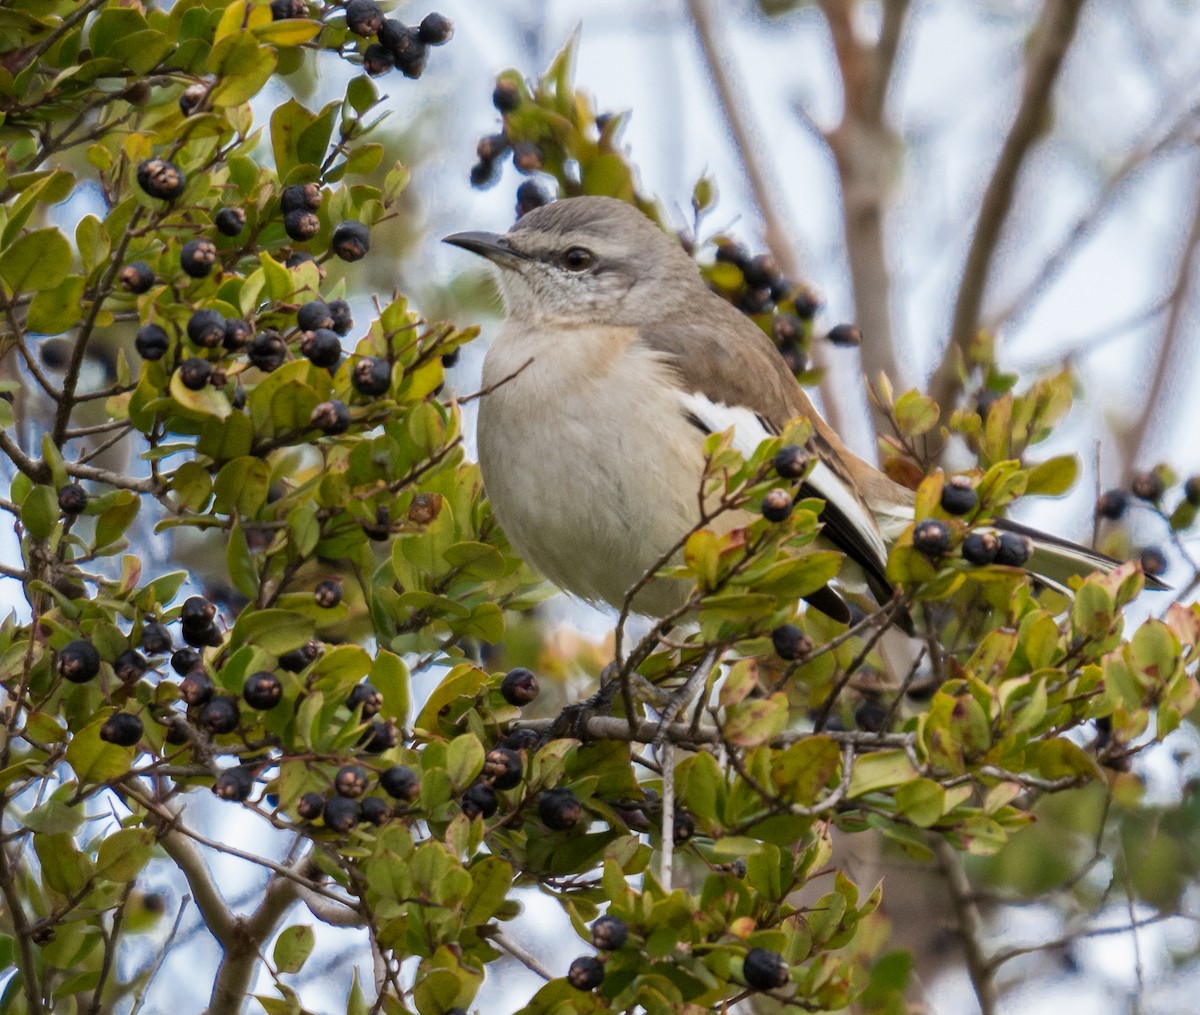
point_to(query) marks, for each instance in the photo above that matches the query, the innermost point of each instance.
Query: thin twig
(970, 925)
(666, 868)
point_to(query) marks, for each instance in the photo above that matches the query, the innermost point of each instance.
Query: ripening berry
(195, 373)
(379, 737)
(371, 376)
(530, 195)
(503, 767)
(764, 969)
(330, 417)
(435, 29)
(506, 96)
(980, 548)
(230, 221)
(777, 505)
(342, 319)
(322, 347)
(206, 328)
(1153, 561)
(958, 496)
(130, 666)
(931, 537)
(479, 800)
(328, 593)
(786, 329)
(761, 271)
(136, 277)
(1014, 550)
(351, 241)
(160, 178)
(400, 782)
(301, 224)
(790, 643)
(363, 17)
(197, 258)
(300, 197)
(237, 335)
(367, 697)
(235, 783)
(314, 315)
(220, 715)
(184, 660)
(78, 661)
(425, 508)
(586, 973)
(846, 335)
(151, 342)
(340, 813)
(519, 687)
(790, 462)
(1147, 486)
(351, 780)
(72, 499)
(374, 809)
(310, 806)
(527, 157)
(559, 809)
(262, 690)
(609, 933)
(197, 688)
(121, 728)
(156, 638)
(267, 351)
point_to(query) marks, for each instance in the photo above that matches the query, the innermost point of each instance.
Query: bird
(614, 363)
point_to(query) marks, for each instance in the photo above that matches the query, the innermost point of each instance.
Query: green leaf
(922, 801)
(916, 414)
(39, 511)
(362, 94)
(95, 760)
(880, 770)
(292, 947)
(242, 486)
(123, 854)
(274, 631)
(288, 122)
(36, 261)
(464, 759)
(55, 310)
(1053, 477)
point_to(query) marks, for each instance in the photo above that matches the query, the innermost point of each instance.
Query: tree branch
(1053, 35)
(970, 925)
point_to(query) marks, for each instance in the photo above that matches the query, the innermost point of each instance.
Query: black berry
(156, 638)
(609, 933)
(351, 780)
(322, 347)
(559, 809)
(483, 174)
(503, 767)
(374, 809)
(1191, 490)
(367, 697)
(530, 195)
(197, 688)
(519, 687)
(237, 335)
(492, 146)
(313, 315)
(342, 319)
(506, 96)
(230, 221)
(786, 329)
(411, 60)
(980, 548)
(262, 690)
(310, 806)
(791, 462)
(201, 635)
(72, 499)
(870, 715)
(1147, 486)
(586, 973)
(844, 335)
(521, 739)
(284, 9)
(191, 98)
(379, 737)
(301, 225)
(931, 537)
(761, 271)
(341, 813)
(958, 496)
(731, 252)
(267, 351)
(234, 783)
(121, 728)
(400, 782)
(806, 303)
(206, 328)
(176, 732)
(300, 197)
(1112, 504)
(351, 241)
(377, 60)
(371, 376)
(683, 827)
(363, 17)
(435, 29)
(160, 178)
(790, 642)
(197, 258)
(527, 157)
(220, 715)
(195, 373)
(1014, 549)
(184, 660)
(328, 593)
(330, 417)
(136, 277)
(130, 666)
(764, 969)
(479, 800)
(777, 505)
(1153, 561)
(152, 342)
(78, 661)
(297, 659)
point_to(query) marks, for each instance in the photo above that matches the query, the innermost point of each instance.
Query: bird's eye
(577, 259)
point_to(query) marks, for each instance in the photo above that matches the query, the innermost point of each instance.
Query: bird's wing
(730, 374)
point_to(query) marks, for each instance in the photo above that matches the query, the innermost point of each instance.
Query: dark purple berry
(72, 499)
(220, 715)
(310, 806)
(197, 258)
(379, 737)
(195, 373)
(1147, 486)
(730, 252)
(1112, 504)
(341, 813)
(300, 197)
(297, 659)
(479, 800)
(313, 315)
(484, 174)
(301, 225)
(435, 29)
(351, 241)
(559, 809)
(363, 17)
(412, 58)
(237, 335)
(683, 827)
(491, 146)
(527, 157)
(374, 809)
(121, 728)
(262, 690)
(609, 933)
(791, 462)
(130, 666)
(156, 638)
(980, 548)
(506, 96)
(136, 277)
(330, 417)
(761, 271)
(328, 593)
(870, 715)
(377, 60)
(176, 732)
(371, 376)
(196, 688)
(786, 329)
(503, 767)
(351, 780)
(958, 496)
(790, 642)
(235, 783)
(846, 335)
(521, 739)
(1191, 490)
(322, 347)
(160, 178)
(530, 195)
(230, 221)
(806, 303)
(342, 319)
(931, 537)
(400, 782)
(1014, 549)
(267, 351)
(281, 10)
(586, 973)
(184, 660)
(202, 635)
(151, 342)
(777, 505)
(764, 969)
(1153, 561)
(519, 687)
(78, 661)
(206, 328)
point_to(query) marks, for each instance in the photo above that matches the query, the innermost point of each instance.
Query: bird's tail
(1056, 560)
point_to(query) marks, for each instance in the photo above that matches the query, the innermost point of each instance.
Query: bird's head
(587, 260)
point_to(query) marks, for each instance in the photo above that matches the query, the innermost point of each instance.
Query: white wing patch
(834, 492)
(748, 430)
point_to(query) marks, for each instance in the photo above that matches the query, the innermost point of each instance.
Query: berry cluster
(1150, 489)
(398, 46)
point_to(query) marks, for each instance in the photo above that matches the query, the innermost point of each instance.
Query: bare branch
(970, 925)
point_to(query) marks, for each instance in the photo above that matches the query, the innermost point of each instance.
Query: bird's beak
(494, 246)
